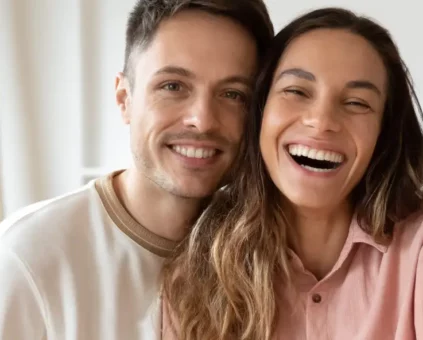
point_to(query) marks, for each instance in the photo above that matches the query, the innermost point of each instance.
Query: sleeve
(418, 296)
(21, 308)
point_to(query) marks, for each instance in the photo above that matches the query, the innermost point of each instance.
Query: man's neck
(157, 210)
(319, 237)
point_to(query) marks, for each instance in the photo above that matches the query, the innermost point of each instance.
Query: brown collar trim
(125, 222)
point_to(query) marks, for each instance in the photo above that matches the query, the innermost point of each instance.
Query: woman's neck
(319, 236)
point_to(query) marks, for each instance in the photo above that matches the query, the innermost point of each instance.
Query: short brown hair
(146, 16)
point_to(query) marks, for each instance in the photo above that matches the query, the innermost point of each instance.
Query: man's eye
(235, 95)
(174, 87)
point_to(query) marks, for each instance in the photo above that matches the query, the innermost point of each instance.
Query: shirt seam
(33, 286)
(11, 222)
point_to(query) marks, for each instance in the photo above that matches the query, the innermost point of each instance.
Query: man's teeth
(321, 155)
(192, 152)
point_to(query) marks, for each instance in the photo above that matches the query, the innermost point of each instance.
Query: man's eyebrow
(297, 72)
(177, 70)
(246, 81)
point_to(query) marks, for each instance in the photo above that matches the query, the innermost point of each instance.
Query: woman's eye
(359, 104)
(295, 92)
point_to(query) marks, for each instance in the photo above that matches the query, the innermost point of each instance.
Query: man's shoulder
(68, 249)
(45, 221)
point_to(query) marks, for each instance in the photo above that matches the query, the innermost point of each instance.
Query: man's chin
(191, 191)
(193, 194)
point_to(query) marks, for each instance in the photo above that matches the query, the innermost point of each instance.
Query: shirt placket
(316, 313)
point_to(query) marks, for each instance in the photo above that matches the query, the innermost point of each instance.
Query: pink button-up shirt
(373, 292)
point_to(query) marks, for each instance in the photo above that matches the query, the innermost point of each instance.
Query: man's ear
(123, 96)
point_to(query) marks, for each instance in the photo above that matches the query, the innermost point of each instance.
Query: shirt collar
(358, 235)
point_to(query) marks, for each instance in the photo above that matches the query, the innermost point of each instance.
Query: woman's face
(323, 117)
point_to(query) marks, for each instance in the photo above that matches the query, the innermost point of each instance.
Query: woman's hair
(219, 284)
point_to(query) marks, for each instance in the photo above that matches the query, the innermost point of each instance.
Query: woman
(321, 238)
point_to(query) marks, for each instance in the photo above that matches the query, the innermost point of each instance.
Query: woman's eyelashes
(295, 92)
(358, 106)
(355, 104)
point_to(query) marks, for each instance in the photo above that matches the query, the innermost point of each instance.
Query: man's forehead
(204, 70)
(215, 45)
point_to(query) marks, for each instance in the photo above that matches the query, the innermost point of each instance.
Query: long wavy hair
(220, 283)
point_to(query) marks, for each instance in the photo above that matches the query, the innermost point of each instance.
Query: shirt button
(317, 298)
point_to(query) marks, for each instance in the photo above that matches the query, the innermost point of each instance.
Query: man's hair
(147, 15)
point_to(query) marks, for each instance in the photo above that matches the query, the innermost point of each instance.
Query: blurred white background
(59, 125)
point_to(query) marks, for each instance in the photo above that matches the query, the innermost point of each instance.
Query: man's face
(187, 106)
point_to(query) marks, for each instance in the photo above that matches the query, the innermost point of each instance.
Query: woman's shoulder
(408, 234)
(412, 224)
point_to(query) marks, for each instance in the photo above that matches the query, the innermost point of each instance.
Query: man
(87, 265)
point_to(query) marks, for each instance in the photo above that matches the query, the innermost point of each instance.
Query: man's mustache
(213, 137)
